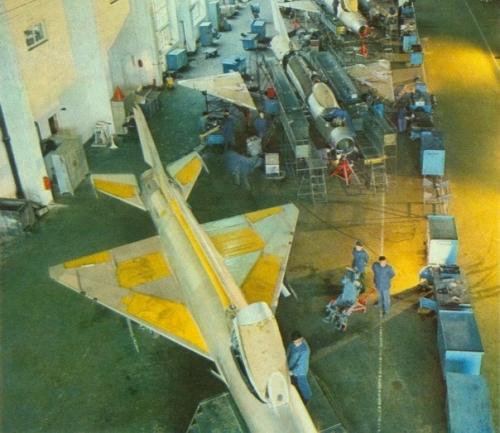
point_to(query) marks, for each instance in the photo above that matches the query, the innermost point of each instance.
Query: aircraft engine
(329, 118)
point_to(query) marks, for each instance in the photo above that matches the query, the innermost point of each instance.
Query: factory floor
(69, 365)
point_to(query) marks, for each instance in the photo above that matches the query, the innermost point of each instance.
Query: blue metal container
(468, 404)
(259, 27)
(432, 153)
(250, 41)
(416, 55)
(459, 342)
(206, 34)
(177, 59)
(442, 240)
(408, 41)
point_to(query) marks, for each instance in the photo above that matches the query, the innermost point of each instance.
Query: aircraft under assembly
(209, 288)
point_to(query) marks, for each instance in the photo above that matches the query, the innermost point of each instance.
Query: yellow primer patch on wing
(143, 269)
(261, 214)
(93, 259)
(261, 281)
(238, 242)
(122, 190)
(211, 274)
(172, 317)
(189, 171)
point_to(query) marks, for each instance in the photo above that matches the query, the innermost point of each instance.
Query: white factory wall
(92, 46)
(16, 105)
(7, 188)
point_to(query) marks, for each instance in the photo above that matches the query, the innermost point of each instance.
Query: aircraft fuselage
(213, 299)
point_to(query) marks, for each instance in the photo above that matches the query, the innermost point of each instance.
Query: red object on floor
(363, 51)
(343, 171)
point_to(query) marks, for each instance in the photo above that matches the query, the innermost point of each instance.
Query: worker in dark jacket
(203, 122)
(297, 355)
(383, 274)
(227, 129)
(402, 119)
(359, 262)
(261, 124)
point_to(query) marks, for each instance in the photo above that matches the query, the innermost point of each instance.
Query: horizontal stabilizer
(229, 87)
(186, 171)
(136, 281)
(124, 187)
(305, 5)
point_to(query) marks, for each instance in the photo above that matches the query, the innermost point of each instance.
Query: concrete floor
(70, 365)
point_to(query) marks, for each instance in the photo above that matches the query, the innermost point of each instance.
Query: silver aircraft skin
(320, 99)
(211, 288)
(347, 12)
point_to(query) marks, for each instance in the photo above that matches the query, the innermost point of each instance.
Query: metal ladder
(377, 177)
(318, 184)
(312, 182)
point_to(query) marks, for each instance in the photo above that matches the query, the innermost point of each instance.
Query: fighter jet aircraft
(210, 288)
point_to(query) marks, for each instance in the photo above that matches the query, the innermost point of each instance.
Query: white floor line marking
(381, 329)
(482, 36)
(379, 383)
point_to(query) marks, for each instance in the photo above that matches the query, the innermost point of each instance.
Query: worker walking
(227, 129)
(241, 166)
(297, 355)
(261, 124)
(359, 262)
(383, 274)
(402, 119)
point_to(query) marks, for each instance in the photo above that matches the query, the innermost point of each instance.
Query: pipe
(10, 155)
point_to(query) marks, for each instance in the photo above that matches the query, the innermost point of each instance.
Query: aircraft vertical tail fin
(184, 171)
(149, 150)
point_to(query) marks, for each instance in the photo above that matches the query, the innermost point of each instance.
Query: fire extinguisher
(46, 183)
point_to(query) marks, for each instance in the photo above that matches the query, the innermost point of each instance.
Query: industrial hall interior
(249, 216)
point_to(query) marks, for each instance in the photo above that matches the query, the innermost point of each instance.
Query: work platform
(221, 410)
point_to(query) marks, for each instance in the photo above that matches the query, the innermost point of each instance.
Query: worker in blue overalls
(227, 129)
(359, 261)
(261, 124)
(297, 355)
(383, 274)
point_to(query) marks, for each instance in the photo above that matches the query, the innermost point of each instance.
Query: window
(198, 10)
(35, 35)
(195, 9)
(162, 23)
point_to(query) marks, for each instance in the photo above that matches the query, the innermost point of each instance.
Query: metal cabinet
(69, 165)
(206, 34)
